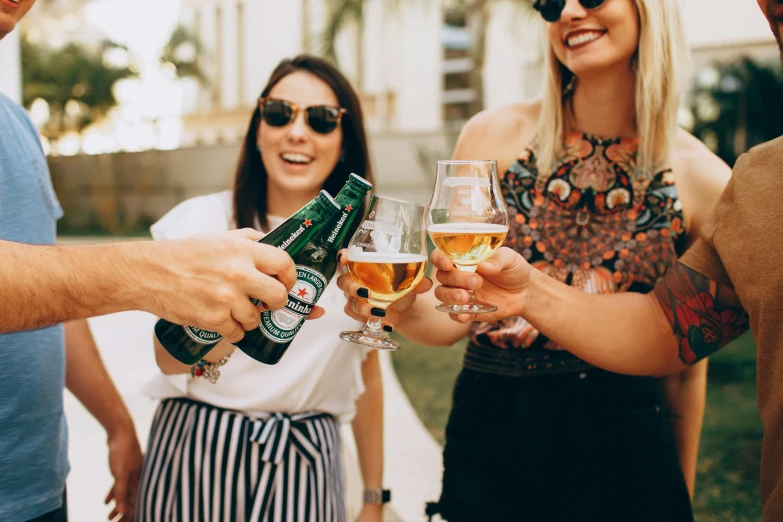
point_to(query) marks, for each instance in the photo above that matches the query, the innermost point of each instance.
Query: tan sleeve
(703, 256)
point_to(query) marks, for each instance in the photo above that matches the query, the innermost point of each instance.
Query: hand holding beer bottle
(467, 220)
(189, 344)
(388, 256)
(316, 264)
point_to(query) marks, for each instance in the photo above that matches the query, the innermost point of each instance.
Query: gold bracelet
(208, 370)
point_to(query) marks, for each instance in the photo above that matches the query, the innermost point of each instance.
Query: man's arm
(86, 377)
(204, 281)
(687, 318)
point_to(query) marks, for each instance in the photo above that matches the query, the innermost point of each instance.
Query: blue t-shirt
(33, 435)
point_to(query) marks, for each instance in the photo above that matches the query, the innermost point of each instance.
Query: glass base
(379, 342)
(473, 307)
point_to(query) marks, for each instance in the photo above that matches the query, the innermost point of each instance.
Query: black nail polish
(363, 293)
(339, 257)
(378, 312)
(387, 328)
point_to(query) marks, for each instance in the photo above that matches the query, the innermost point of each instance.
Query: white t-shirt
(318, 372)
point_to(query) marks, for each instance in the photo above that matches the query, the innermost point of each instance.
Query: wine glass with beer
(467, 220)
(388, 256)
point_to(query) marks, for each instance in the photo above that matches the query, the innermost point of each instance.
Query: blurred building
(10, 69)
(411, 60)
(398, 72)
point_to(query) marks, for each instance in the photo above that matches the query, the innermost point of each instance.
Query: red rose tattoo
(704, 314)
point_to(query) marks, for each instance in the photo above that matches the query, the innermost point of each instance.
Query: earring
(258, 147)
(342, 158)
(568, 90)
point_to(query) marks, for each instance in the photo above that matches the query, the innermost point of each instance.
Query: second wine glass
(388, 256)
(467, 220)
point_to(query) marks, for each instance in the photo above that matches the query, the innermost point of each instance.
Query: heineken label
(202, 336)
(296, 233)
(281, 326)
(339, 224)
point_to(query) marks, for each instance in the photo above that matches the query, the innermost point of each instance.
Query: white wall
(724, 22)
(418, 106)
(270, 31)
(275, 34)
(228, 66)
(513, 55)
(207, 34)
(10, 71)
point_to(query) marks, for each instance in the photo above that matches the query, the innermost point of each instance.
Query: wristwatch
(377, 496)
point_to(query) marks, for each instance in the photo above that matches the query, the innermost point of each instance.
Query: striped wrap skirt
(208, 464)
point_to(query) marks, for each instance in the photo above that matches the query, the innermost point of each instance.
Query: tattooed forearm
(705, 315)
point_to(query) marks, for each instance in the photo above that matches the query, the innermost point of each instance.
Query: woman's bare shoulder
(494, 133)
(700, 176)
(697, 164)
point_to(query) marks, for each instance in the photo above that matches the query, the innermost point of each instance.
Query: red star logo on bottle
(348, 208)
(302, 292)
(307, 223)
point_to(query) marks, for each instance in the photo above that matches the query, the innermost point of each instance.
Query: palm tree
(182, 51)
(77, 83)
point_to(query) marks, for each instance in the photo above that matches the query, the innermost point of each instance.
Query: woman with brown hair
(263, 443)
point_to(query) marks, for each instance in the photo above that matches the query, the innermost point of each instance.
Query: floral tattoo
(704, 314)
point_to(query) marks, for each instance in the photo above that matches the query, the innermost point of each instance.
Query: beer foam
(384, 257)
(467, 228)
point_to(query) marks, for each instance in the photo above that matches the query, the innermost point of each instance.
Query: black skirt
(589, 446)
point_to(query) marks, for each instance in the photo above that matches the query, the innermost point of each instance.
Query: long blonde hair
(662, 63)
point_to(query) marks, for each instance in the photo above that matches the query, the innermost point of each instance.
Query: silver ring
(353, 305)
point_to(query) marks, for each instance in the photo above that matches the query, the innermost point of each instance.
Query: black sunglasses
(323, 119)
(551, 9)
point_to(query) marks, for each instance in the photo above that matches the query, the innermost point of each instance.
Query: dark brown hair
(251, 177)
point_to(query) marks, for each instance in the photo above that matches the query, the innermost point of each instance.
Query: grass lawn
(727, 484)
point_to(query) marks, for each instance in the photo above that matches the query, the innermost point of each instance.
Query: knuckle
(223, 295)
(277, 295)
(216, 317)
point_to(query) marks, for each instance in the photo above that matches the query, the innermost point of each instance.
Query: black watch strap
(377, 496)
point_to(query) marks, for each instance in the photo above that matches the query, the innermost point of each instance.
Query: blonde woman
(604, 195)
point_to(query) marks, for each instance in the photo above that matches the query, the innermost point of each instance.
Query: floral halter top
(595, 224)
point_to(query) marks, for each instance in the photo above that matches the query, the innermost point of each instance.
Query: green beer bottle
(316, 264)
(189, 344)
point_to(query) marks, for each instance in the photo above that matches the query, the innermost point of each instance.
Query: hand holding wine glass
(388, 256)
(467, 220)
(358, 308)
(504, 279)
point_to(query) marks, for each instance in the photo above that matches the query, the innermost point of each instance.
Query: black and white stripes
(207, 464)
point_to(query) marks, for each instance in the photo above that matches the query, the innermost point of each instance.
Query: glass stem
(471, 297)
(374, 327)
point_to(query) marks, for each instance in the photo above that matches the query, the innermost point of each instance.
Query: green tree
(182, 51)
(75, 81)
(727, 103)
